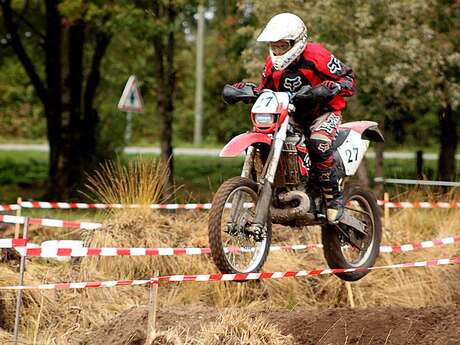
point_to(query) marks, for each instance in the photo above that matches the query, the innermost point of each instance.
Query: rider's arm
(267, 77)
(331, 68)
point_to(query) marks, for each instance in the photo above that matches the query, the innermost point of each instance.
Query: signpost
(130, 102)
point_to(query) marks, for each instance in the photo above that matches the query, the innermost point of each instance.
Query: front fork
(247, 167)
(265, 195)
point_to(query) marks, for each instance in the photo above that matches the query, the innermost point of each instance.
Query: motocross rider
(294, 62)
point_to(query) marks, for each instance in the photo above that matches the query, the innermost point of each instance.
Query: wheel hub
(257, 231)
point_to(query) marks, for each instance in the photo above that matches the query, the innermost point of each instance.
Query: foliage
(405, 53)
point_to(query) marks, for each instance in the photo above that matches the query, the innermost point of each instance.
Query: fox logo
(292, 84)
(334, 65)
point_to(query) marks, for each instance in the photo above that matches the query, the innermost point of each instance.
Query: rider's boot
(333, 194)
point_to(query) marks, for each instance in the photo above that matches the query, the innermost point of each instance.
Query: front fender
(241, 142)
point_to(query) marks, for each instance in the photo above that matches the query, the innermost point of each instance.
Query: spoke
(359, 211)
(242, 260)
(364, 214)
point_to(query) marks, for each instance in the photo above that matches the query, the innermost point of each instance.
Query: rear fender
(368, 129)
(241, 142)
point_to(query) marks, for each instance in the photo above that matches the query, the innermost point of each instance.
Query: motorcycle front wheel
(361, 204)
(235, 248)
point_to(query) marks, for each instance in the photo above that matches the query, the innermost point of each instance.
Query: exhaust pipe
(294, 216)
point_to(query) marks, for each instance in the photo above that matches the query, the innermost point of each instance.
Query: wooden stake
(386, 210)
(22, 268)
(350, 294)
(18, 214)
(153, 298)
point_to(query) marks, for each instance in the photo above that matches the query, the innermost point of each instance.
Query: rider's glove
(333, 87)
(239, 85)
(242, 84)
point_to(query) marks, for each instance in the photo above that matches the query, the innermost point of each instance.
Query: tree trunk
(71, 118)
(64, 133)
(53, 100)
(379, 172)
(165, 74)
(90, 124)
(448, 140)
(363, 173)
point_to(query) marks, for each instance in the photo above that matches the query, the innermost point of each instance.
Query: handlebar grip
(233, 95)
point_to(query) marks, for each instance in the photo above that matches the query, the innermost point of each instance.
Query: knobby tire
(214, 225)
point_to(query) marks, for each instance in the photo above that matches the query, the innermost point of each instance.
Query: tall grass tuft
(140, 181)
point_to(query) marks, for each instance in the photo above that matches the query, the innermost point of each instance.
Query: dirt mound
(401, 326)
(128, 328)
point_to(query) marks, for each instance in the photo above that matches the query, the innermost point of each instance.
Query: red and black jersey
(316, 64)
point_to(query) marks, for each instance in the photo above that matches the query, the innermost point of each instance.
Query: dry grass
(170, 337)
(5, 337)
(67, 316)
(235, 327)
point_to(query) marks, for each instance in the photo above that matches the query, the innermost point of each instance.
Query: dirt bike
(275, 187)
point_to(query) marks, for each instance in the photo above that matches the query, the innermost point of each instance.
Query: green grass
(201, 176)
(24, 174)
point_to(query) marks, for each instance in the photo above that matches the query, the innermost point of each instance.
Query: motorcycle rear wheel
(363, 205)
(233, 248)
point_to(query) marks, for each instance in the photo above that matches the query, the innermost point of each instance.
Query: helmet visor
(280, 47)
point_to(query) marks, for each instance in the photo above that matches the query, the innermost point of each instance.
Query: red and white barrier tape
(205, 206)
(80, 205)
(12, 242)
(9, 207)
(420, 245)
(51, 252)
(57, 223)
(419, 204)
(84, 252)
(229, 277)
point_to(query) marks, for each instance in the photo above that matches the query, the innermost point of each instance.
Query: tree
(445, 23)
(67, 96)
(164, 14)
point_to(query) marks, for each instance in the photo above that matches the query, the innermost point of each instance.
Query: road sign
(131, 99)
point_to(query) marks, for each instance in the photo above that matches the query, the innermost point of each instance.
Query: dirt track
(390, 326)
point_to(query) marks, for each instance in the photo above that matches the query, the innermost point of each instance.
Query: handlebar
(233, 95)
(246, 94)
(319, 93)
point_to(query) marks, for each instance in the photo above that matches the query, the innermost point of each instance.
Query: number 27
(350, 154)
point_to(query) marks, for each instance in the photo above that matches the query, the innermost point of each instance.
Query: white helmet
(288, 27)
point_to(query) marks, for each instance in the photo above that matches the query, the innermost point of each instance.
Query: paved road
(190, 151)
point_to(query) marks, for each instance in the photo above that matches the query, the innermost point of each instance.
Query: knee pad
(321, 152)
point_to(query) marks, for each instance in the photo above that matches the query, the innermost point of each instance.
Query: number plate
(352, 151)
(270, 102)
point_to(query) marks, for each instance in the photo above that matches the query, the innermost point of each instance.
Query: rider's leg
(322, 133)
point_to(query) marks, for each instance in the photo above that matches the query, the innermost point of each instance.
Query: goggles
(280, 47)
